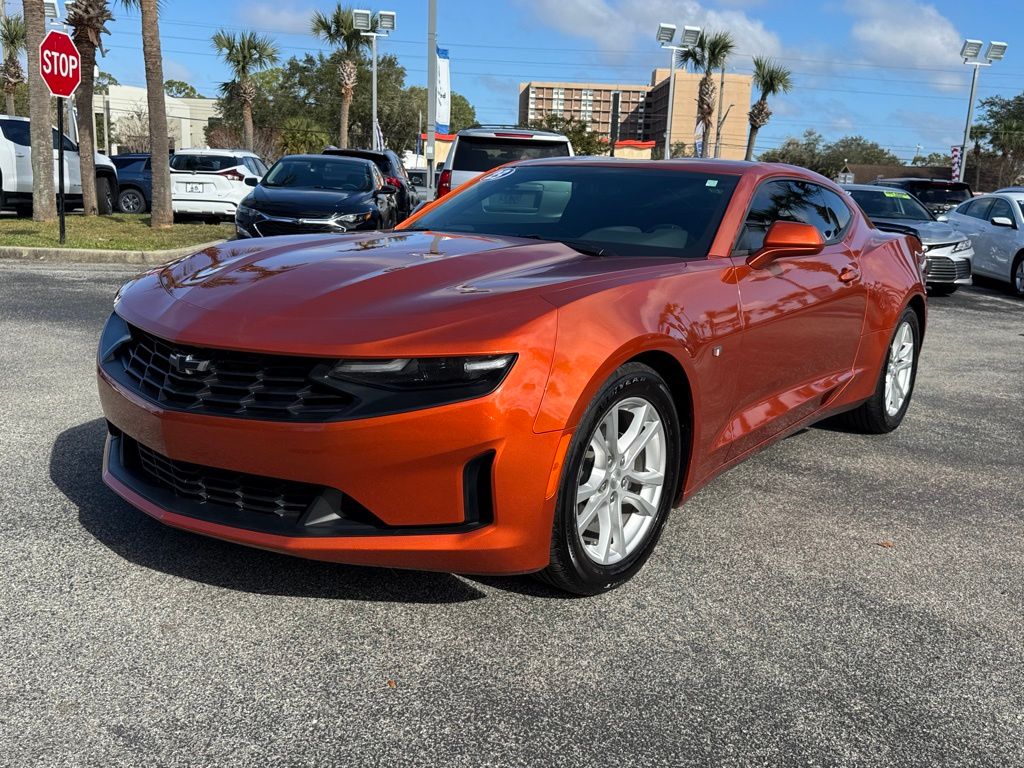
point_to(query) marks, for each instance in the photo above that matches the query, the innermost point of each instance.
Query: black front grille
(233, 491)
(228, 383)
(271, 228)
(945, 269)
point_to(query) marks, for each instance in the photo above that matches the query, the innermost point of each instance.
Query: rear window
(952, 193)
(204, 163)
(479, 153)
(16, 131)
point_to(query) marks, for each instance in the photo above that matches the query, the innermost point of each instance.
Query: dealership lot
(838, 599)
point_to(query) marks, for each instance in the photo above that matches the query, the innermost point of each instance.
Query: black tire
(946, 289)
(1017, 289)
(131, 200)
(872, 417)
(23, 211)
(571, 568)
(104, 196)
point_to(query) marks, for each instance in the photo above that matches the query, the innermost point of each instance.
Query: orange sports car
(526, 376)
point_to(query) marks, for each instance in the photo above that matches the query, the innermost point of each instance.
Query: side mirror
(387, 189)
(787, 238)
(1002, 221)
(942, 217)
(251, 181)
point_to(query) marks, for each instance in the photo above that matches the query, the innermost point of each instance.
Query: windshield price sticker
(897, 194)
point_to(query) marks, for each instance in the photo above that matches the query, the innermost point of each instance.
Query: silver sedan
(995, 224)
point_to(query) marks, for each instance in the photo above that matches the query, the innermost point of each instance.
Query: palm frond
(770, 77)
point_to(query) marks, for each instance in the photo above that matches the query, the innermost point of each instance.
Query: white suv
(477, 150)
(16, 170)
(212, 182)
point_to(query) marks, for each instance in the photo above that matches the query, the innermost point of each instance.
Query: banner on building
(443, 117)
(955, 153)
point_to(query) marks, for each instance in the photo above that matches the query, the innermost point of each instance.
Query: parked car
(476, 151)
(390, 165)
(947, 253)
(418, 179)
(996, 227)
(135, 181)
(212, 182)
(317, 193)
(938, 195)
(526, 377)
(16, 170)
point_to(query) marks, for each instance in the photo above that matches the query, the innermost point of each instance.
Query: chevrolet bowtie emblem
(188, 364)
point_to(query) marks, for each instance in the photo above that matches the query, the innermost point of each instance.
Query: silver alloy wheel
(900, 369)
(131, 201)
(621, 480)
(1018, 277)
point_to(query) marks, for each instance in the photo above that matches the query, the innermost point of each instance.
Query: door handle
(849, 274)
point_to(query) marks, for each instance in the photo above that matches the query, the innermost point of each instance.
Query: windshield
(617, 210)
(890, 204)
(945, 194)
(320, 173)
(480, 153)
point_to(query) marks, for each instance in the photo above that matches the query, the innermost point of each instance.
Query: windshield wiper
(585, 247)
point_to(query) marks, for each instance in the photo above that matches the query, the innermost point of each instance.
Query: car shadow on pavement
(75, 466)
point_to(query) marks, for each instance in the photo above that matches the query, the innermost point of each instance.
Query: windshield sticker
(711, 183)
(898, 194)
(501, 173)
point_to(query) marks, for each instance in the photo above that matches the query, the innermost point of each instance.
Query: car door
(1002, 242)
(17, 168)
(802, 315)
(971, 219)
(72, 165)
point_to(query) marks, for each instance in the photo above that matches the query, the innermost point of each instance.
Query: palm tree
(161, 214)
(338, 30)
(88, 19)
(709, 53)
(44, 198)
(771, 78)
(245, 53)
(12, 39)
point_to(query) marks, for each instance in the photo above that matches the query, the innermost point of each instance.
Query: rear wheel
(885, 409)
(618, 484)
(104, 196)
(1017, 276)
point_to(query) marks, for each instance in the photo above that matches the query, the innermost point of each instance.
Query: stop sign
(60, 63)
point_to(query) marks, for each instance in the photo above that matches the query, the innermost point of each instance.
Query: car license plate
(194, 188)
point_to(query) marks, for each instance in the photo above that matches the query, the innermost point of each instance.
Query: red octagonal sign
(60, 63)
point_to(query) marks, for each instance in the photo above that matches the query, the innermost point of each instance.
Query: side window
(250, 165)
(791, 200)
(979, 209)
(182, 162)
(1001, 208)
(69, 145)
(16, 131)
(838, 212)
(148, 166)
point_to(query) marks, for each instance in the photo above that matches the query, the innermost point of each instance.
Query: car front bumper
(222, 208)
(942, 267)
(408, 469)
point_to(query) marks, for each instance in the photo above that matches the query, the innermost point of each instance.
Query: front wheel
(131, 201)
(1017, 277)
(885, 409)
(104, 196)
(618, 485)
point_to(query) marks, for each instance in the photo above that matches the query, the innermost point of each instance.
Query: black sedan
(317, 193)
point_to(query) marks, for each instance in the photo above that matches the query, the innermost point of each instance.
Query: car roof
(510, 132)
(356, 152)
(207, 151)
(705, 165)
(14, 117)
(923, 181)
(867, 188)
(332, 158)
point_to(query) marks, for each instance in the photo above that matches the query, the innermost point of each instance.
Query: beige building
(125, 107)
(643, 109)
(589, 102)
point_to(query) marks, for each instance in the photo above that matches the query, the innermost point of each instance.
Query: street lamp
(664, 36)
(363, 21)
(970, 52)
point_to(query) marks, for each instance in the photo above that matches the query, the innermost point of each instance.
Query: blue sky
(886, 69)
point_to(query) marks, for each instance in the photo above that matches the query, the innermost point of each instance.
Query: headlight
(243, 211)
(963, 245)
(354, 218)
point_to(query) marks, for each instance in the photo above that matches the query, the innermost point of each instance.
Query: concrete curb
(79, 255)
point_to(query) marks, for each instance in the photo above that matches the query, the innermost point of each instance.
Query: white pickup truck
(16, 170)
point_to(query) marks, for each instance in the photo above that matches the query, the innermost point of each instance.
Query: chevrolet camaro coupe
(526, 376)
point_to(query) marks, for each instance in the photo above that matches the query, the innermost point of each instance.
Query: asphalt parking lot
(837, 600)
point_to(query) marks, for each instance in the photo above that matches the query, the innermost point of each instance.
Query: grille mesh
(946, 269)
(231, 383)
(241, 492)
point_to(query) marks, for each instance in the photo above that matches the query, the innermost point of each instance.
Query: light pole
(970, 53)
(363, 21)
(666, 32)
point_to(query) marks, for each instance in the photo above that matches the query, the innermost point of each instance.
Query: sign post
(60, 66)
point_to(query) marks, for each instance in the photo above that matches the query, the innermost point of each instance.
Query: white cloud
(281, 17)
(907, 33)
(615, 25)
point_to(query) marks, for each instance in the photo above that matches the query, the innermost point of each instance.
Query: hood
(345, 290)
(306, 203)
(928, 232)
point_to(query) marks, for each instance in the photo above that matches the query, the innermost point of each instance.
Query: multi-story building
(643, 109)
(588, 102)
